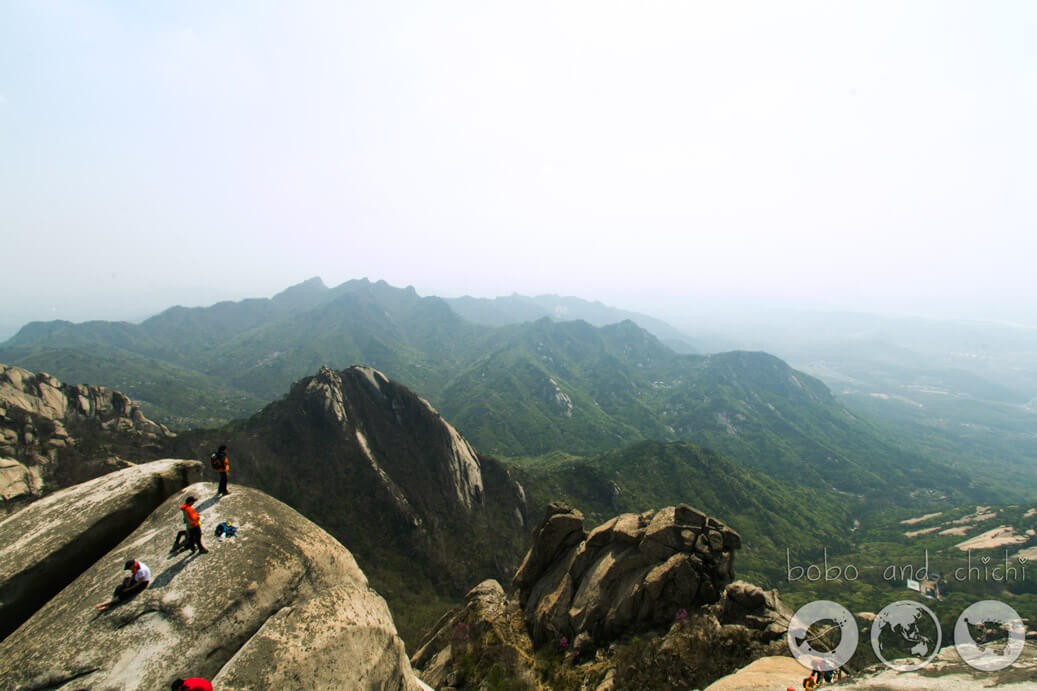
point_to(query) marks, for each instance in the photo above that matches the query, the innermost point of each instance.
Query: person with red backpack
(192, 684)
(220, 463)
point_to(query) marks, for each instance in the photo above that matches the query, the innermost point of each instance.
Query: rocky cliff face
(392, 428)
(642, 601)
(53, 434)
(280, 605)
(380, 469)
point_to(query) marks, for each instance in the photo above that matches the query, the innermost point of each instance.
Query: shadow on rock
(211, 501)
(166, 577)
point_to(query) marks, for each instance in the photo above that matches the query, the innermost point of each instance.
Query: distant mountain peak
(309, 287)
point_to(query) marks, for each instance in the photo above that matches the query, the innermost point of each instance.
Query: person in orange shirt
(221, 464)
(193, 522)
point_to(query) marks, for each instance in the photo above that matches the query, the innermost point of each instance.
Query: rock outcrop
(485, 634)
(47, 544)
(18, 481)
(383, 472)
(280, 605)
(558, 400)
(642, 601)
(631, 573)
(43, 423)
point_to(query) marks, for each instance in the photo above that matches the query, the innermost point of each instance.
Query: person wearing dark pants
(181, 542)
(193, 522)
(221, 464)
(138, 580)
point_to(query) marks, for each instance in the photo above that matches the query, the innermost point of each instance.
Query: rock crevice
(48, 543)
(280, 605)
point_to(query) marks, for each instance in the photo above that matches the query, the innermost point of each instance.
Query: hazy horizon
(659, 157)
(714, 313)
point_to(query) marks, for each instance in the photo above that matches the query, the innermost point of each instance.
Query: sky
(653, 155)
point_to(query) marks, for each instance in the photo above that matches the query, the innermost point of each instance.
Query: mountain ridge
(515, 308)
(516, 390)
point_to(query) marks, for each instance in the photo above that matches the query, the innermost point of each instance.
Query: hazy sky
(644, 153)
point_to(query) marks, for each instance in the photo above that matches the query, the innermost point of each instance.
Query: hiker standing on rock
(194, 526)
(220, 463)
(138, 580)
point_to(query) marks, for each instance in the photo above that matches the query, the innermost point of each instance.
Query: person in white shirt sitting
(138, 580)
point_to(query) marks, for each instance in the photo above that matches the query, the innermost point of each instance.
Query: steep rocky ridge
(280, 605)
(640, 598)
(53, 434)
(45, 545)
(379, 468)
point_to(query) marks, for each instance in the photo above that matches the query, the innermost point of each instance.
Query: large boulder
(18, 480)
(560, 529)
(47, 544)
(750, 606)
(280, 605)
(634, 572)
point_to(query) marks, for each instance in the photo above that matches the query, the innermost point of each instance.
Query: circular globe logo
(824, 616)
(989, 619)
(906, 629)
